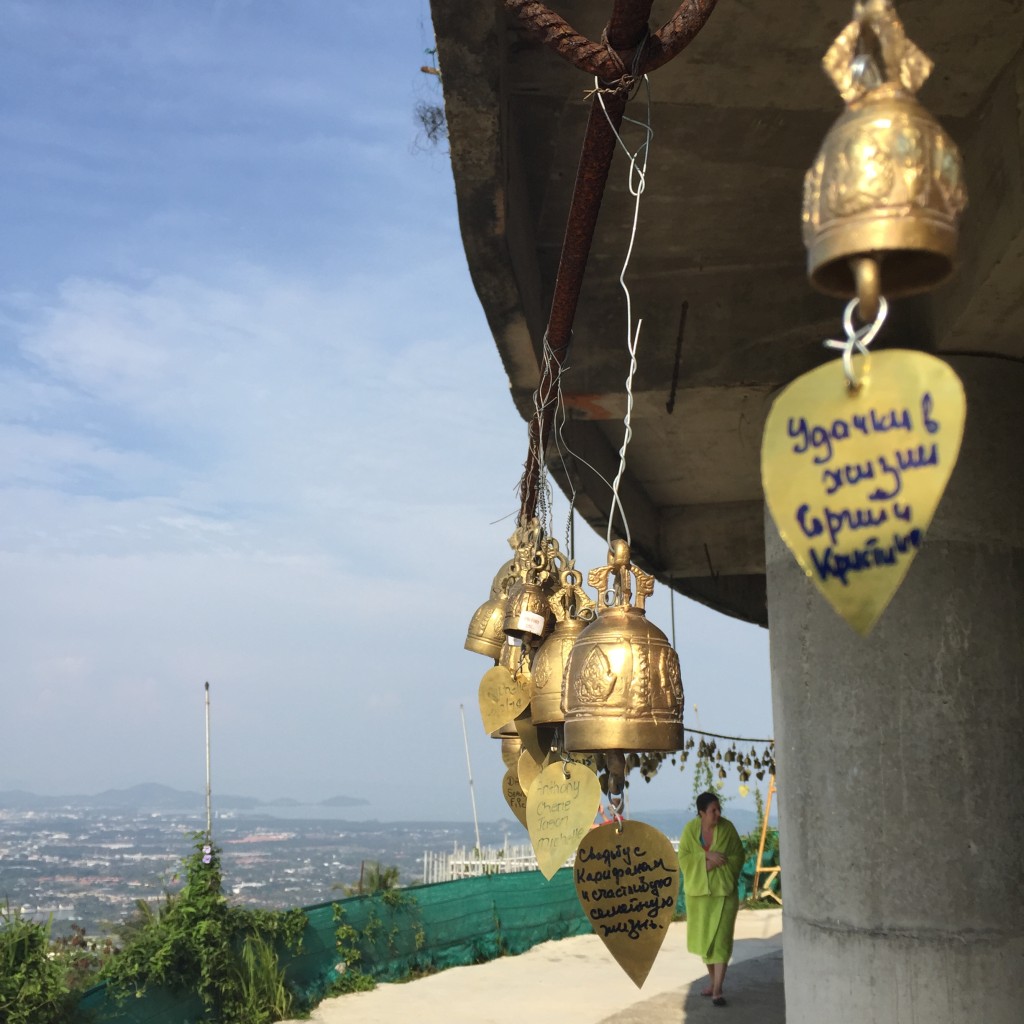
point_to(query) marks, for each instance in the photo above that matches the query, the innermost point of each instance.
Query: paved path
(575, 981)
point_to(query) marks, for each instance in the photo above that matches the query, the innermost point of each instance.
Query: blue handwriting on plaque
(857, 532)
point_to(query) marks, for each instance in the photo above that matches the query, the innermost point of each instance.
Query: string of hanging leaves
(711, 751)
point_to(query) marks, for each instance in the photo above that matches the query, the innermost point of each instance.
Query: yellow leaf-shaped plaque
(501, 698)
(852, 478)
(514, 795)
(627, 883)
(529, 734)
(561, 805)
(528, 769)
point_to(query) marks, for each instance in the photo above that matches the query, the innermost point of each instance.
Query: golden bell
(573, 611)
(883, 199)
(511, 744)
(527, 614)
(622, 685)
(486, 631)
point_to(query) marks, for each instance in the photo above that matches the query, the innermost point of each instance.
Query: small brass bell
(622, 686)
(527, 614)
(573, 611)
(884, 196)
(511, 744)
(486, 631)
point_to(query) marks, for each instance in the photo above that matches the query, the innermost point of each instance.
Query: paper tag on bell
(531, 622)
(560, 808)
(628, 882)
(852, 478)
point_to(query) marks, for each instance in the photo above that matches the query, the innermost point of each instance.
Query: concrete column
(901, 787)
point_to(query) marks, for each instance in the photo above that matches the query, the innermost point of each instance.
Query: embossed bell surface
(622, 685)
(572, 610)
(527, 614)
(888, 181)
(486, 631)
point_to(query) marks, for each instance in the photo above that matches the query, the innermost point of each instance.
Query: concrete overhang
(718, 270)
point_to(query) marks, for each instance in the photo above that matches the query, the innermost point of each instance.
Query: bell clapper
(616, 763)
(867, 275)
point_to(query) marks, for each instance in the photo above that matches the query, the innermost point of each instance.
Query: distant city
(87, 859)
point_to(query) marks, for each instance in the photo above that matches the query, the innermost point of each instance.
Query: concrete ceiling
(738, 117)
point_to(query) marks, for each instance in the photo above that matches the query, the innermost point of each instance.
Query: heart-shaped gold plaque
(561, 805)
(627, 881)
(514, 795)
(501, 697)
(852, 477)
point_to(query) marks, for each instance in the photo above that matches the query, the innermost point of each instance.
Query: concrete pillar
(901, 787)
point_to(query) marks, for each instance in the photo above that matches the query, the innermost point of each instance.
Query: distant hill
(344, 801)
(152, 796)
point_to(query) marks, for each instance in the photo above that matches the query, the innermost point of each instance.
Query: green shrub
(33, 983)
(199, 943)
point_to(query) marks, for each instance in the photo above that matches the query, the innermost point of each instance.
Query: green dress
(711, 896)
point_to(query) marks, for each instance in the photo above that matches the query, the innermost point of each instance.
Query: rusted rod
(594, 58)
(626, 30)
(591, 177)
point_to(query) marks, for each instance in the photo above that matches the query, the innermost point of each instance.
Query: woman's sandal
(707, 991)
(718, 1001)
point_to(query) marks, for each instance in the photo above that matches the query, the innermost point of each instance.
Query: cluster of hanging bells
(574, 675)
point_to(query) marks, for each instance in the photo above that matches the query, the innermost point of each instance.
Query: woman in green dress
(711, 858)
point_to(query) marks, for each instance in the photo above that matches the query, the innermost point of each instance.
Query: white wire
(637, 181)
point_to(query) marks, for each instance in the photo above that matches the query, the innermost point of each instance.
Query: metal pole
(469, 770)
(209, 804)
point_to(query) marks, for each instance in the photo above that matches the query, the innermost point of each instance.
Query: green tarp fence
(402, 932)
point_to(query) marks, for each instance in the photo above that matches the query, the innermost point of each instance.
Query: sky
(253, 427)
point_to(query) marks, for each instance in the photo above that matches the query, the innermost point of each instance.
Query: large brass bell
(486, 631)
(883, 199)
(573, 611)
(622, 686)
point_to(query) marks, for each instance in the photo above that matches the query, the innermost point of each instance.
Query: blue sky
(253, 428)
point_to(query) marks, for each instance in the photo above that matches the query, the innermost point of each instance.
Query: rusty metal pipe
(591, 178)
(627, 29)
(595, 58)
(627, 26)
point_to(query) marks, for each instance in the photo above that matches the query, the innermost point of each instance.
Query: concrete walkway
(575, 981)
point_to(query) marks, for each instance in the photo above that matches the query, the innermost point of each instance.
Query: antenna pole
(469, 770)
(209, 804)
